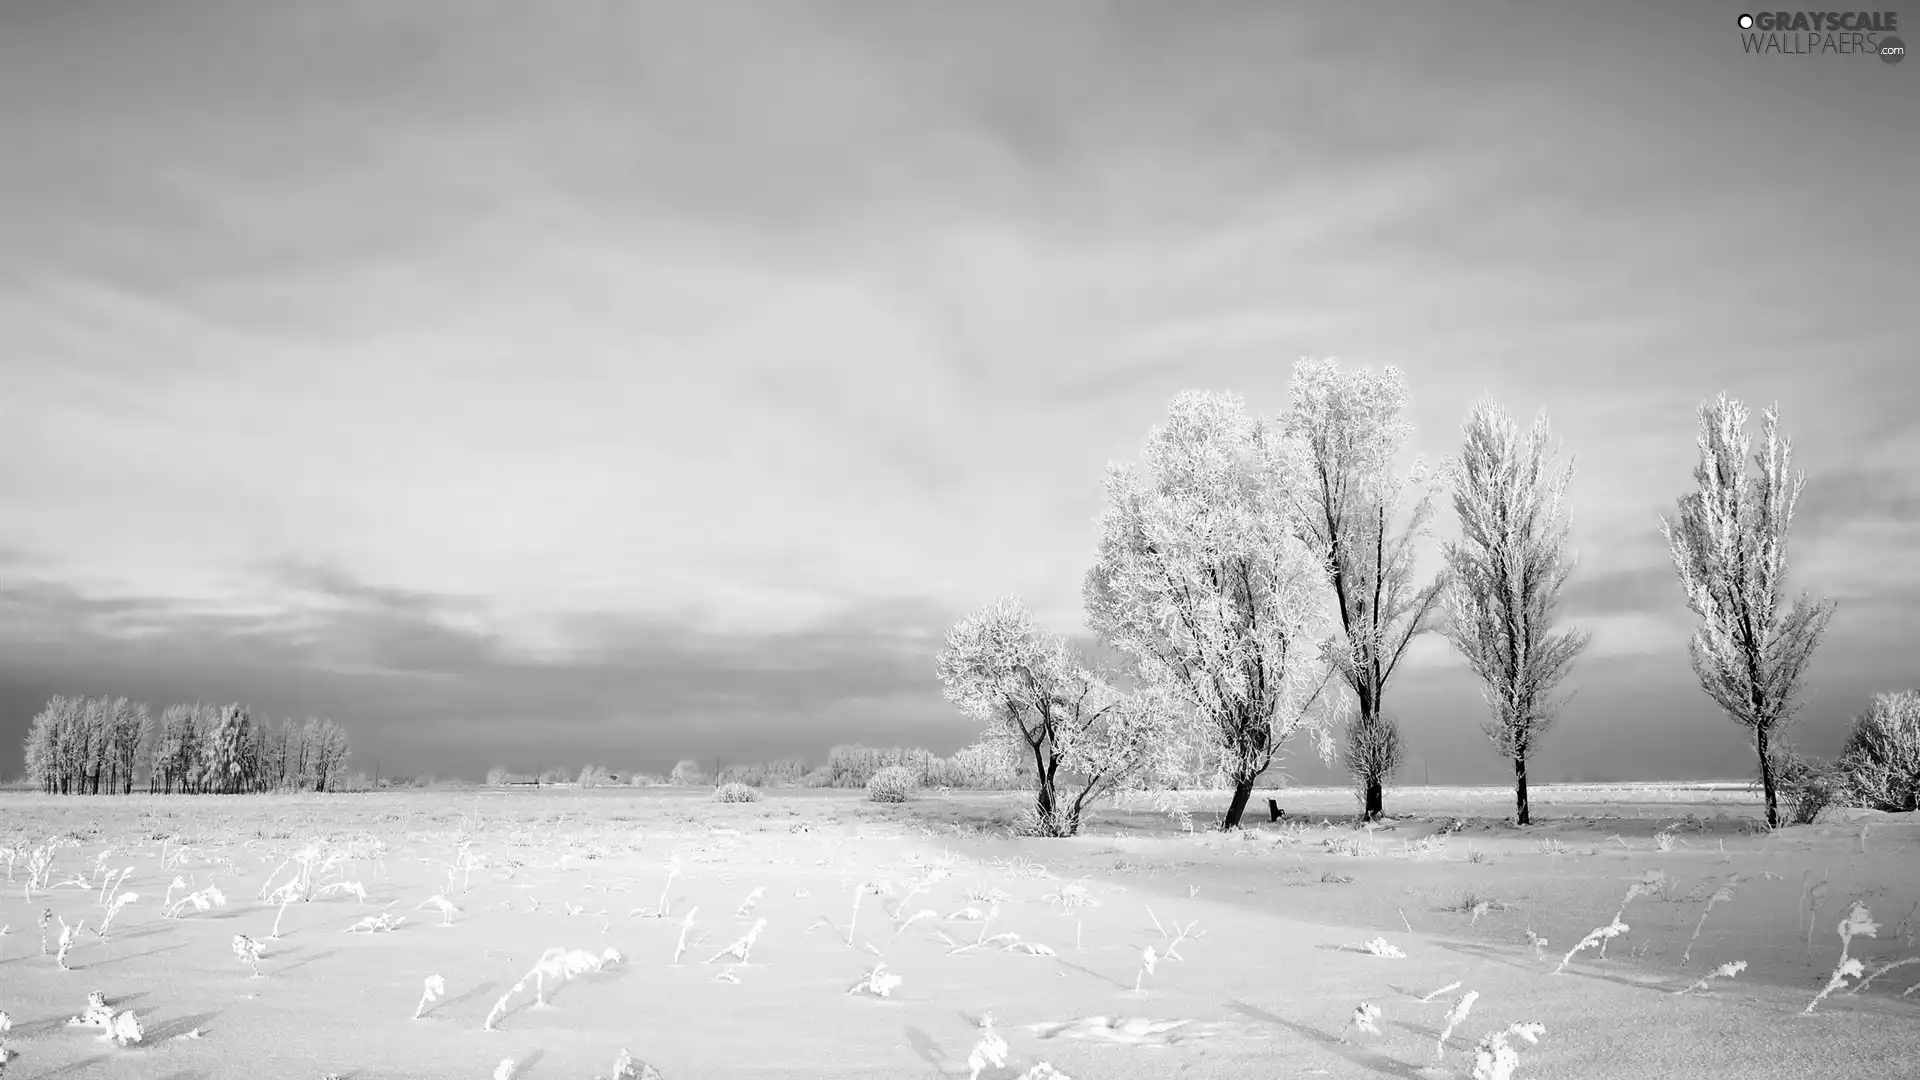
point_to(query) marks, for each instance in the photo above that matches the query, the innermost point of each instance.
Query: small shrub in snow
(893, 784)
(1495, 1059)
(990, 1050)
(736, 793)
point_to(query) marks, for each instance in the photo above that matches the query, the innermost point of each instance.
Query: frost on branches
(1506, 575)
(1729, 545)
(1041, 700)
(1348, 430)
(1204, 580)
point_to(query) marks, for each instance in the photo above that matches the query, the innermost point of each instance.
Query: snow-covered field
(1258, 937)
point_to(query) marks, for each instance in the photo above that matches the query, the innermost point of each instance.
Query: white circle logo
(1746, 22)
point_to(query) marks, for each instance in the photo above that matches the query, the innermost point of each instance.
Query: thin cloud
(656, 370)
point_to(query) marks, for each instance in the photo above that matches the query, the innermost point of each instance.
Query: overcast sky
(611, 382)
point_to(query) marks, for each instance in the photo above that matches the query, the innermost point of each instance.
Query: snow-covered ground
(1264, 983)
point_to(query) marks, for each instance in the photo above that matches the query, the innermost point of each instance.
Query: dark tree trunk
(1043, 779)
(1522, 813)
(1242, 791)
(1766, 779)
(1376, 801)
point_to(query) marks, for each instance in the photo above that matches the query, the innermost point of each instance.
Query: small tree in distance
(1032, 691)
(1729, 545)
(1505, 578)
(1204, 580)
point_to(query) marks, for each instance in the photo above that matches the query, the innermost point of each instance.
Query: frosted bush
(892, 784)
(736, 793)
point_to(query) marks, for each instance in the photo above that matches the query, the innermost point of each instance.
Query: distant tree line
(83, 746)
(847, 766)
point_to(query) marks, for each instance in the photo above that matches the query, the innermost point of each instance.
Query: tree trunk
(1242, 791)
(1376, 800)
(1766, 778)
(1043, 780)
(1522, 813)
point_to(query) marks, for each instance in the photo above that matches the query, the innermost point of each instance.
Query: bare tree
(1350, 428)
(1505, 577)
(1729, 545)
(1035, 693)
(1204, 579)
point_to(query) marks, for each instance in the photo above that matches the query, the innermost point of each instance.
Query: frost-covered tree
(1505, 576)
(132, 723)
(335, 749)
(1205, 582)
(1351, 428)
(1729, 545)
(1041, 700)
(1881, 757)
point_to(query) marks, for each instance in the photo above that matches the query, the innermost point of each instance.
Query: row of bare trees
(1258, 576)
(80, 746)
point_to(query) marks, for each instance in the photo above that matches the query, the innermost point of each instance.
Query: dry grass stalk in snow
(205, 900)
(123, 1028)
(68, 935)
(660, 911)
(1455, 1017)
(1858, 923)
(504, 1070)
(383, 923)
(1381, 947)
(628, 1067)
(119, 904)
(1495, 1059)
(1454, 985)
(990, 1050)
(441, 904)
(351, 888)
(1720, 896)
(878, 982)
(1881, 969)
(1148, 960)
(558, 964)
(1594, 937)
(112, 882)
(686, 924)
(46, 922)
(1652, 883)
(746, 906)
(431, 991)
(247, 951)
(1364, 1016)
(1724, 971)
(739, 949)
(1813, 898)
